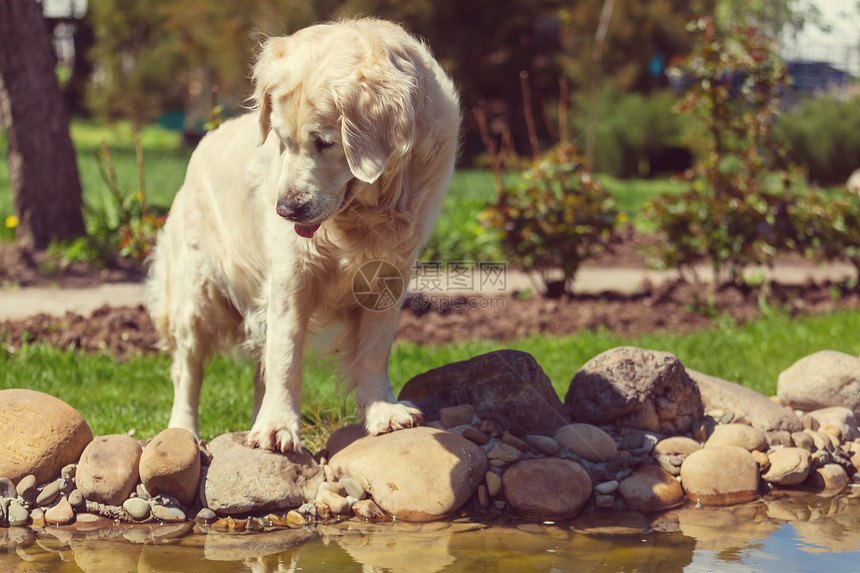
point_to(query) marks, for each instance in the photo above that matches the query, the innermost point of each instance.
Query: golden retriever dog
(345, 160)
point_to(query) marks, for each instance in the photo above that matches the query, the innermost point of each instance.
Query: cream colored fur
(352, 142)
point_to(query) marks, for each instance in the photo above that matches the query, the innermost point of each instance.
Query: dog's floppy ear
(378, 117)
(269, 64)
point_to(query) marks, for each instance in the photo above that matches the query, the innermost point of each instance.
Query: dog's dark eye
(320, 143)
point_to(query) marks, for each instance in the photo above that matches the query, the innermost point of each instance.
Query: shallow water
(791, 532)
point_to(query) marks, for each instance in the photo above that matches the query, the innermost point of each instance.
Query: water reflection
(792, 532)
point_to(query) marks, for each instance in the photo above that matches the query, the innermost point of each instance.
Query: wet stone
(108, 469)
(606, 487)
(76, 499)
(544, 444)
(205, 515)
(587, 441)
(515, 442)
(17, 515)
(61, 513)
(741, 435)
(547, 488)
(168, 514)
(295, 518)
(37, 516)
(48, 493)
(650, 488)
(353, 488)
(26, 488)
(7, 489)
(829, 478)
(788, 466)
(137, 508)
(720, 475)
(803, 440)
(368, 510)
(456, 415)
(494, 483)
(503, 453)
(335, 502)
(476, 436)
(40, 434)
(170, 464)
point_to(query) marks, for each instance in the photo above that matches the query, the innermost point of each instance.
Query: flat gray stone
(760, 411)
(244, 480)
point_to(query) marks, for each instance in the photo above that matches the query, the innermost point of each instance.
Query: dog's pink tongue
(306, 231)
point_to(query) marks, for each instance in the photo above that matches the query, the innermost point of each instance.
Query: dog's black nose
(292, 211)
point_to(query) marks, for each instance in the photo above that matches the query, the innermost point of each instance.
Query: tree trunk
(43, 171)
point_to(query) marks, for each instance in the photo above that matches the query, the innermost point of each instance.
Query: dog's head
(341, 106)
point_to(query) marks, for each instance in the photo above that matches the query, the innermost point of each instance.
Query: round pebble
(75, 498)
(740, 435)
(720, 475)
(547, 488)
(37, 516)
(650, 488)
(48, 494)
(17, 515)
(26, 488)
(587, 441)
(606, 487)
(544, 444)
(788, 466)
(476, 436)
(515, 442)
(205, 515)
(61, 513)
(494, 483)
(137, 508)
(830, 478)
(168, 514)
(504, 453)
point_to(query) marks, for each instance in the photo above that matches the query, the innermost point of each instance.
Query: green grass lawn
(118, 396)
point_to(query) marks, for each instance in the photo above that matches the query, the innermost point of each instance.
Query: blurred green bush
(822, 135)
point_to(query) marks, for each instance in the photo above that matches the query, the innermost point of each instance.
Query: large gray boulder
(820, 380)
(507, 386)
(635, 388)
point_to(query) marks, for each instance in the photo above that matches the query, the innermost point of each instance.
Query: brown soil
(675, 306)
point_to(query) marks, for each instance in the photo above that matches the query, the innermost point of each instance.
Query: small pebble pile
(636, 431)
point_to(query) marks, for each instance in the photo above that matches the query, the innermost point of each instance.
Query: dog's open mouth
(307, 231)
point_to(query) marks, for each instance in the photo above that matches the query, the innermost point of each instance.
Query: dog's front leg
(382, 412)
(276, 426)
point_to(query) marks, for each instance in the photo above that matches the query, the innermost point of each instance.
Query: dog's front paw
(381, 417)
(274, 436)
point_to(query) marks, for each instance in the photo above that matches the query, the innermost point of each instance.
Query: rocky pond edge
(636, 432)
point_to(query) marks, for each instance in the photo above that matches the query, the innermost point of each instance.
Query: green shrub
(633, 127)
(827, 225)
(736, 211)
(556, 215)
(823, 136)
